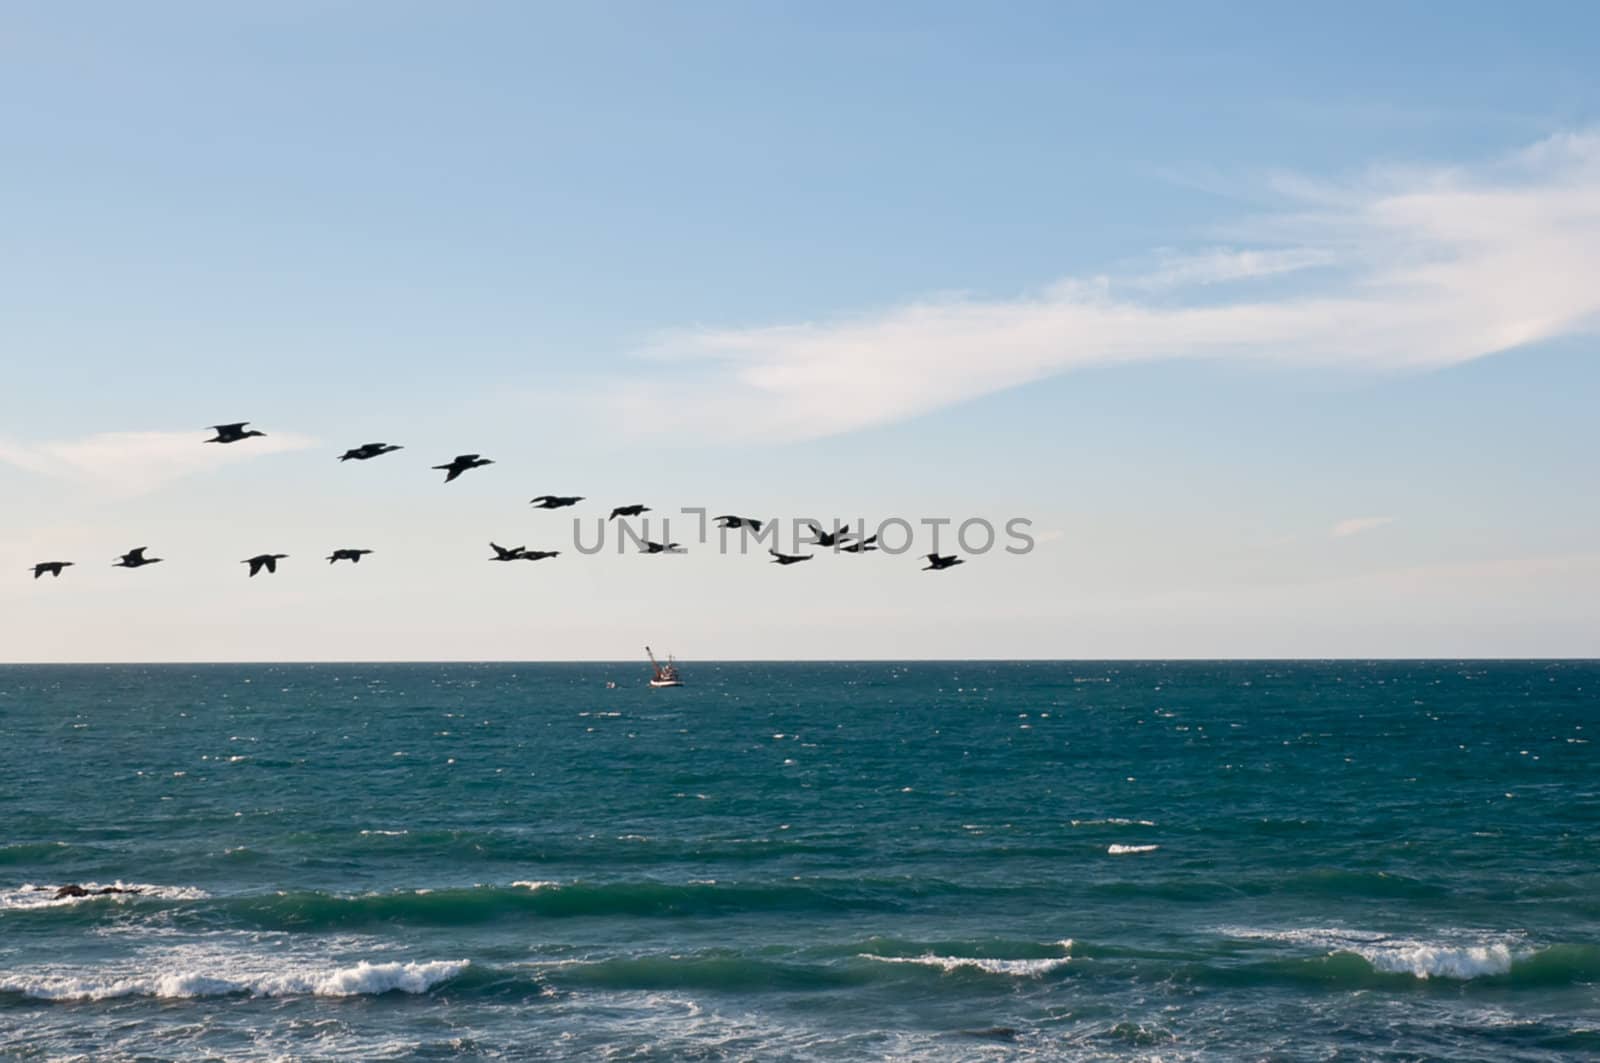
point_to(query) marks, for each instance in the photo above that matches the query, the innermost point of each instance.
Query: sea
(1333, 860)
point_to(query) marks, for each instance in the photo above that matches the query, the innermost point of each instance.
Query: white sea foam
(362, 979)
(1123, 850)
(1113, 821)
(535, 884)
(1460, 960)
(30, 895)
(1436, 961)
(1014, 968)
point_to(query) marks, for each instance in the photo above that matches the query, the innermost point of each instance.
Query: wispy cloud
(1396, 269)
(1356, 525)
(132, 463)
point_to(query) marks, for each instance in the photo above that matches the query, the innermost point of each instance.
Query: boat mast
(653, 663)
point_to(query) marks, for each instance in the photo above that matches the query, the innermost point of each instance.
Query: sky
(1277, 324)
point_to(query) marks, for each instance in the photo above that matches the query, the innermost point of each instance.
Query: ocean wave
(361, 979)
(1122, 850)
(1028, 968)
(29, 896)
(1460, 963)
(1361, 956)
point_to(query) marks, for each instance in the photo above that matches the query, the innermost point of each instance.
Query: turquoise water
(802, 861)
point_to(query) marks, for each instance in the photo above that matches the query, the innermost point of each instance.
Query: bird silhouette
(940, 561)
(369, 450)
(555, 501)
(730, 521)
(538, 555)
(135, 559)
(628, 511)
(789, 559)
(52, 567)
(862, 547)
(460, 464)
(505, 553)
(232, 433)
(833, 538)
(347, 555)
(263, 561)
(660, 548)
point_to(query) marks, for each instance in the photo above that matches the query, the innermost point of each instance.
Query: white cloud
(132, 463)
(1357, 525)
(1400, 268)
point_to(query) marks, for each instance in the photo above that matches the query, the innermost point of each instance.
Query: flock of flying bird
(841, 539)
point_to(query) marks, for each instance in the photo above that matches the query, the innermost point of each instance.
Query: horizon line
(823, 660)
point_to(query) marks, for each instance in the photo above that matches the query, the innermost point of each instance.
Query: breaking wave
(1363, 957)
(29, 896)
(950, 964)
(362, 979)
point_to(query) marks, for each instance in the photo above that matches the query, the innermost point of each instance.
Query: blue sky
(1278, 324)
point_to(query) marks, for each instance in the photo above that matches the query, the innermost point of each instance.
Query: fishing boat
(666, 674)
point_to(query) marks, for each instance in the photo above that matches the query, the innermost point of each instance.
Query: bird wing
(225, 429)
(136, 554)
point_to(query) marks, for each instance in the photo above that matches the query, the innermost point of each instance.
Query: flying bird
(134, 559)
(661, 548)
(505, 553)
(833, 538)
(52, 567)
(862, 547)
(939, 561)
(369, 450)
(789, 559)
(232, 433)
(347, 555)
(730, 521)
(263, 561)
(628, 511)
(555, 501)
(538, 555)
(460, 464)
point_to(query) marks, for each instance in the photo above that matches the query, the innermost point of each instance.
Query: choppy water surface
(802, 861)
